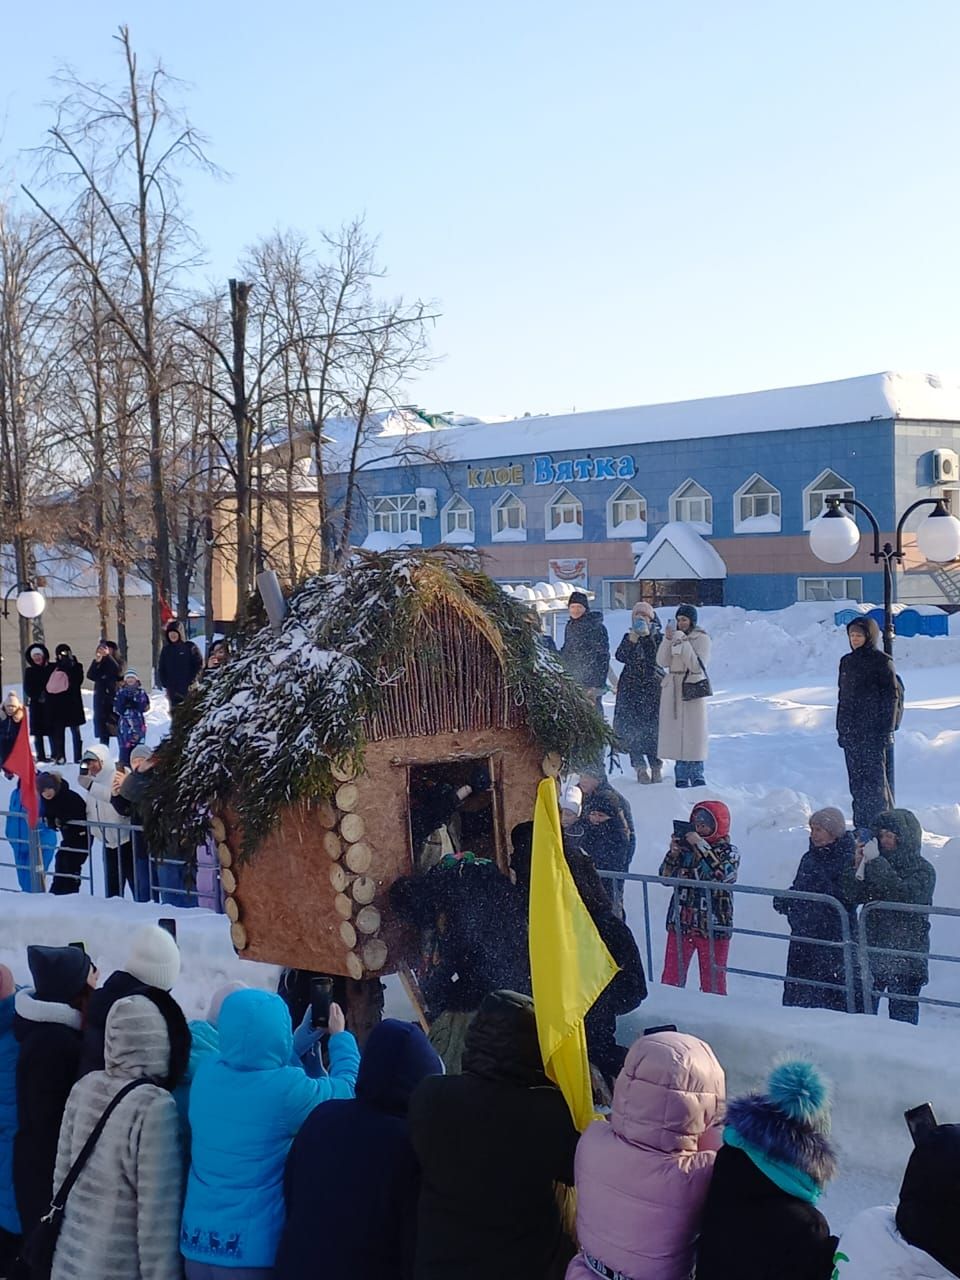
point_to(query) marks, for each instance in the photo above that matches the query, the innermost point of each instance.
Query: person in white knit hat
(153, 962)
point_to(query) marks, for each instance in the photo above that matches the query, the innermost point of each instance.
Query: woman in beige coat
(685, 653)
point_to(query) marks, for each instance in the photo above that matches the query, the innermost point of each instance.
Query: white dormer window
(627, 514)
(692, 504)
(457, 520)
(827, 485)
(508, 519)
(564, 517)
(756, 507)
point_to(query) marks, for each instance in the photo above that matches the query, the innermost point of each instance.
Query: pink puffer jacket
(642, 1178)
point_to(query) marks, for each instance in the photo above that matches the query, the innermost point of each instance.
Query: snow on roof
(69, 572)
(678, 551)
(873, 397)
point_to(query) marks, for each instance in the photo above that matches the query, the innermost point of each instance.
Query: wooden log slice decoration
(228, 880)
(331, 845)
(231, 910)
(368, 920)
(354, 966)
(359, 858)
(338, 878)
(364, 890)
(348, 933)
(375, 953)
(343, 906)
(343, 771)
(238, 936)
(325, 815)
(224, 855)
(352, 828)
(217, 829)
(347, 797)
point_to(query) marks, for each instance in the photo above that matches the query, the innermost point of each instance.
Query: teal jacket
(246, 1106)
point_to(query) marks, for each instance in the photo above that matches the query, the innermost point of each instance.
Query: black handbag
(697, 688)
(40, 1244)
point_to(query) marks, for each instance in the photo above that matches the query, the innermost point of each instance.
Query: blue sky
(612, 203)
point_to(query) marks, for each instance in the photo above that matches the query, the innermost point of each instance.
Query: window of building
(456, 520)
(827, 589)
(951, 500)
(621, 594)
(756, 507)
(508, 519)
(827, 485)
(564, 517)
(691, 504)
(627, 514)
(395, 514)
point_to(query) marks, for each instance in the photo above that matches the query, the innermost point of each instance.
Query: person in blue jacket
(246, 1107)
(17, 834)
(9, 1050)
(350, 1156)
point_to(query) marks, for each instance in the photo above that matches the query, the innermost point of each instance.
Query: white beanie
(154, 957)
(572, 799)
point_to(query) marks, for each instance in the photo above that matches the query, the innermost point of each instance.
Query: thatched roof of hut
(396, 645)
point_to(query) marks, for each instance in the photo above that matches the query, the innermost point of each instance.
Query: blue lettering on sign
(546, 471)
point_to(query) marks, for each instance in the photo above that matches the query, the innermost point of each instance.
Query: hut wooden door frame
(492, 761)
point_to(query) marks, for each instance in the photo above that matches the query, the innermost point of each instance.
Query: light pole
(834, 538)
(30, 605)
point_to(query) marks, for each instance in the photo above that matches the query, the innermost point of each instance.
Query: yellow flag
(569, 961)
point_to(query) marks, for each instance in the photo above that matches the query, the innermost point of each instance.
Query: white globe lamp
(938, 537)
(834, 537)
(30, 604)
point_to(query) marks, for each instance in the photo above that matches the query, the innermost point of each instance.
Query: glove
(306, 1037)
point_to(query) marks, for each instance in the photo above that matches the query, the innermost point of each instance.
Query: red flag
(166, 613)
(20, 762)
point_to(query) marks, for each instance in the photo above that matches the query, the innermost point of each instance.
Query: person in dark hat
(48, 1026)
(65, 811)
(104, 671)
(609, 836)
(761, 1219)
(919, 1238)
(684, 654)
(37, 669)
(491, 1144)
(586, 647)
(180, 664)
(867, 697)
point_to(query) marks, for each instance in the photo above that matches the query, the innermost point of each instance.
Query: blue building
(708, 500)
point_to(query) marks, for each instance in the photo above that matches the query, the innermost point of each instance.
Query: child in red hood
(705, 854)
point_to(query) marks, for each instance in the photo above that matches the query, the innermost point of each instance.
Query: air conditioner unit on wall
(427, 503)
(946, 466)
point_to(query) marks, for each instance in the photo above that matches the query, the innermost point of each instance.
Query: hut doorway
(454, 806)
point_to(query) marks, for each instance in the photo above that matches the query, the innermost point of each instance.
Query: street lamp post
(30, 605)
(835, 537)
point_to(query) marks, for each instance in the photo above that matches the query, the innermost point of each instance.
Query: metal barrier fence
(858, 987)
(128, 862)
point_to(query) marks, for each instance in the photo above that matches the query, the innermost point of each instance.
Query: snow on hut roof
(872, 397)
(678, 551)
(396, 645)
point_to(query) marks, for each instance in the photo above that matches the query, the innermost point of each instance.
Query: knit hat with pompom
(784, 1130)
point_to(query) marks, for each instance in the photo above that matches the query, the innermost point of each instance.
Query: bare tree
(125, 147)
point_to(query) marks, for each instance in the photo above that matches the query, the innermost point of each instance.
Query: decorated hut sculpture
(310, 755)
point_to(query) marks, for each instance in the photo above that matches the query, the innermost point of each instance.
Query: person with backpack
(869, 701)
(37, 669)
(65, 704)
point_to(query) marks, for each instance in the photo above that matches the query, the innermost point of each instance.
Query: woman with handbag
(121, 1211)
(65, 704)
(684, 652)
(37, 669)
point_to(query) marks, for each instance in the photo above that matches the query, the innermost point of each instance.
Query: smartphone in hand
(169, 925)
(321, 994)
(920, 1120)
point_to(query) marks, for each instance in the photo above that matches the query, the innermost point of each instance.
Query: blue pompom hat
(784, 1130)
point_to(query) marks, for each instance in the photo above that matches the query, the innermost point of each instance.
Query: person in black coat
(866, 714)
(760, 1221)
(821, 870)
(36, 672)
(65, 811)
(492, 1143)
(891, 868)
(65, 706)
(636, 716)
(352, 1164)
(180, 664)
(105, 671)
(47, 1025)
(586, 647)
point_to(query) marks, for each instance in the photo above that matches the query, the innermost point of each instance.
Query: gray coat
(683, 725)
(122, 1220)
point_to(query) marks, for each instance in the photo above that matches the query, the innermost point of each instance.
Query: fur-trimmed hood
(761, 1124)
(28, 1007)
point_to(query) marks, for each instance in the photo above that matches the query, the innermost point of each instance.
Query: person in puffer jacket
(642, 1178)
(122, 1219)
(246, 1107)
(918, 1239)
(760, 1221)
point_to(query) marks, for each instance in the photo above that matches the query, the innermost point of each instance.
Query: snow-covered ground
(773, 760)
